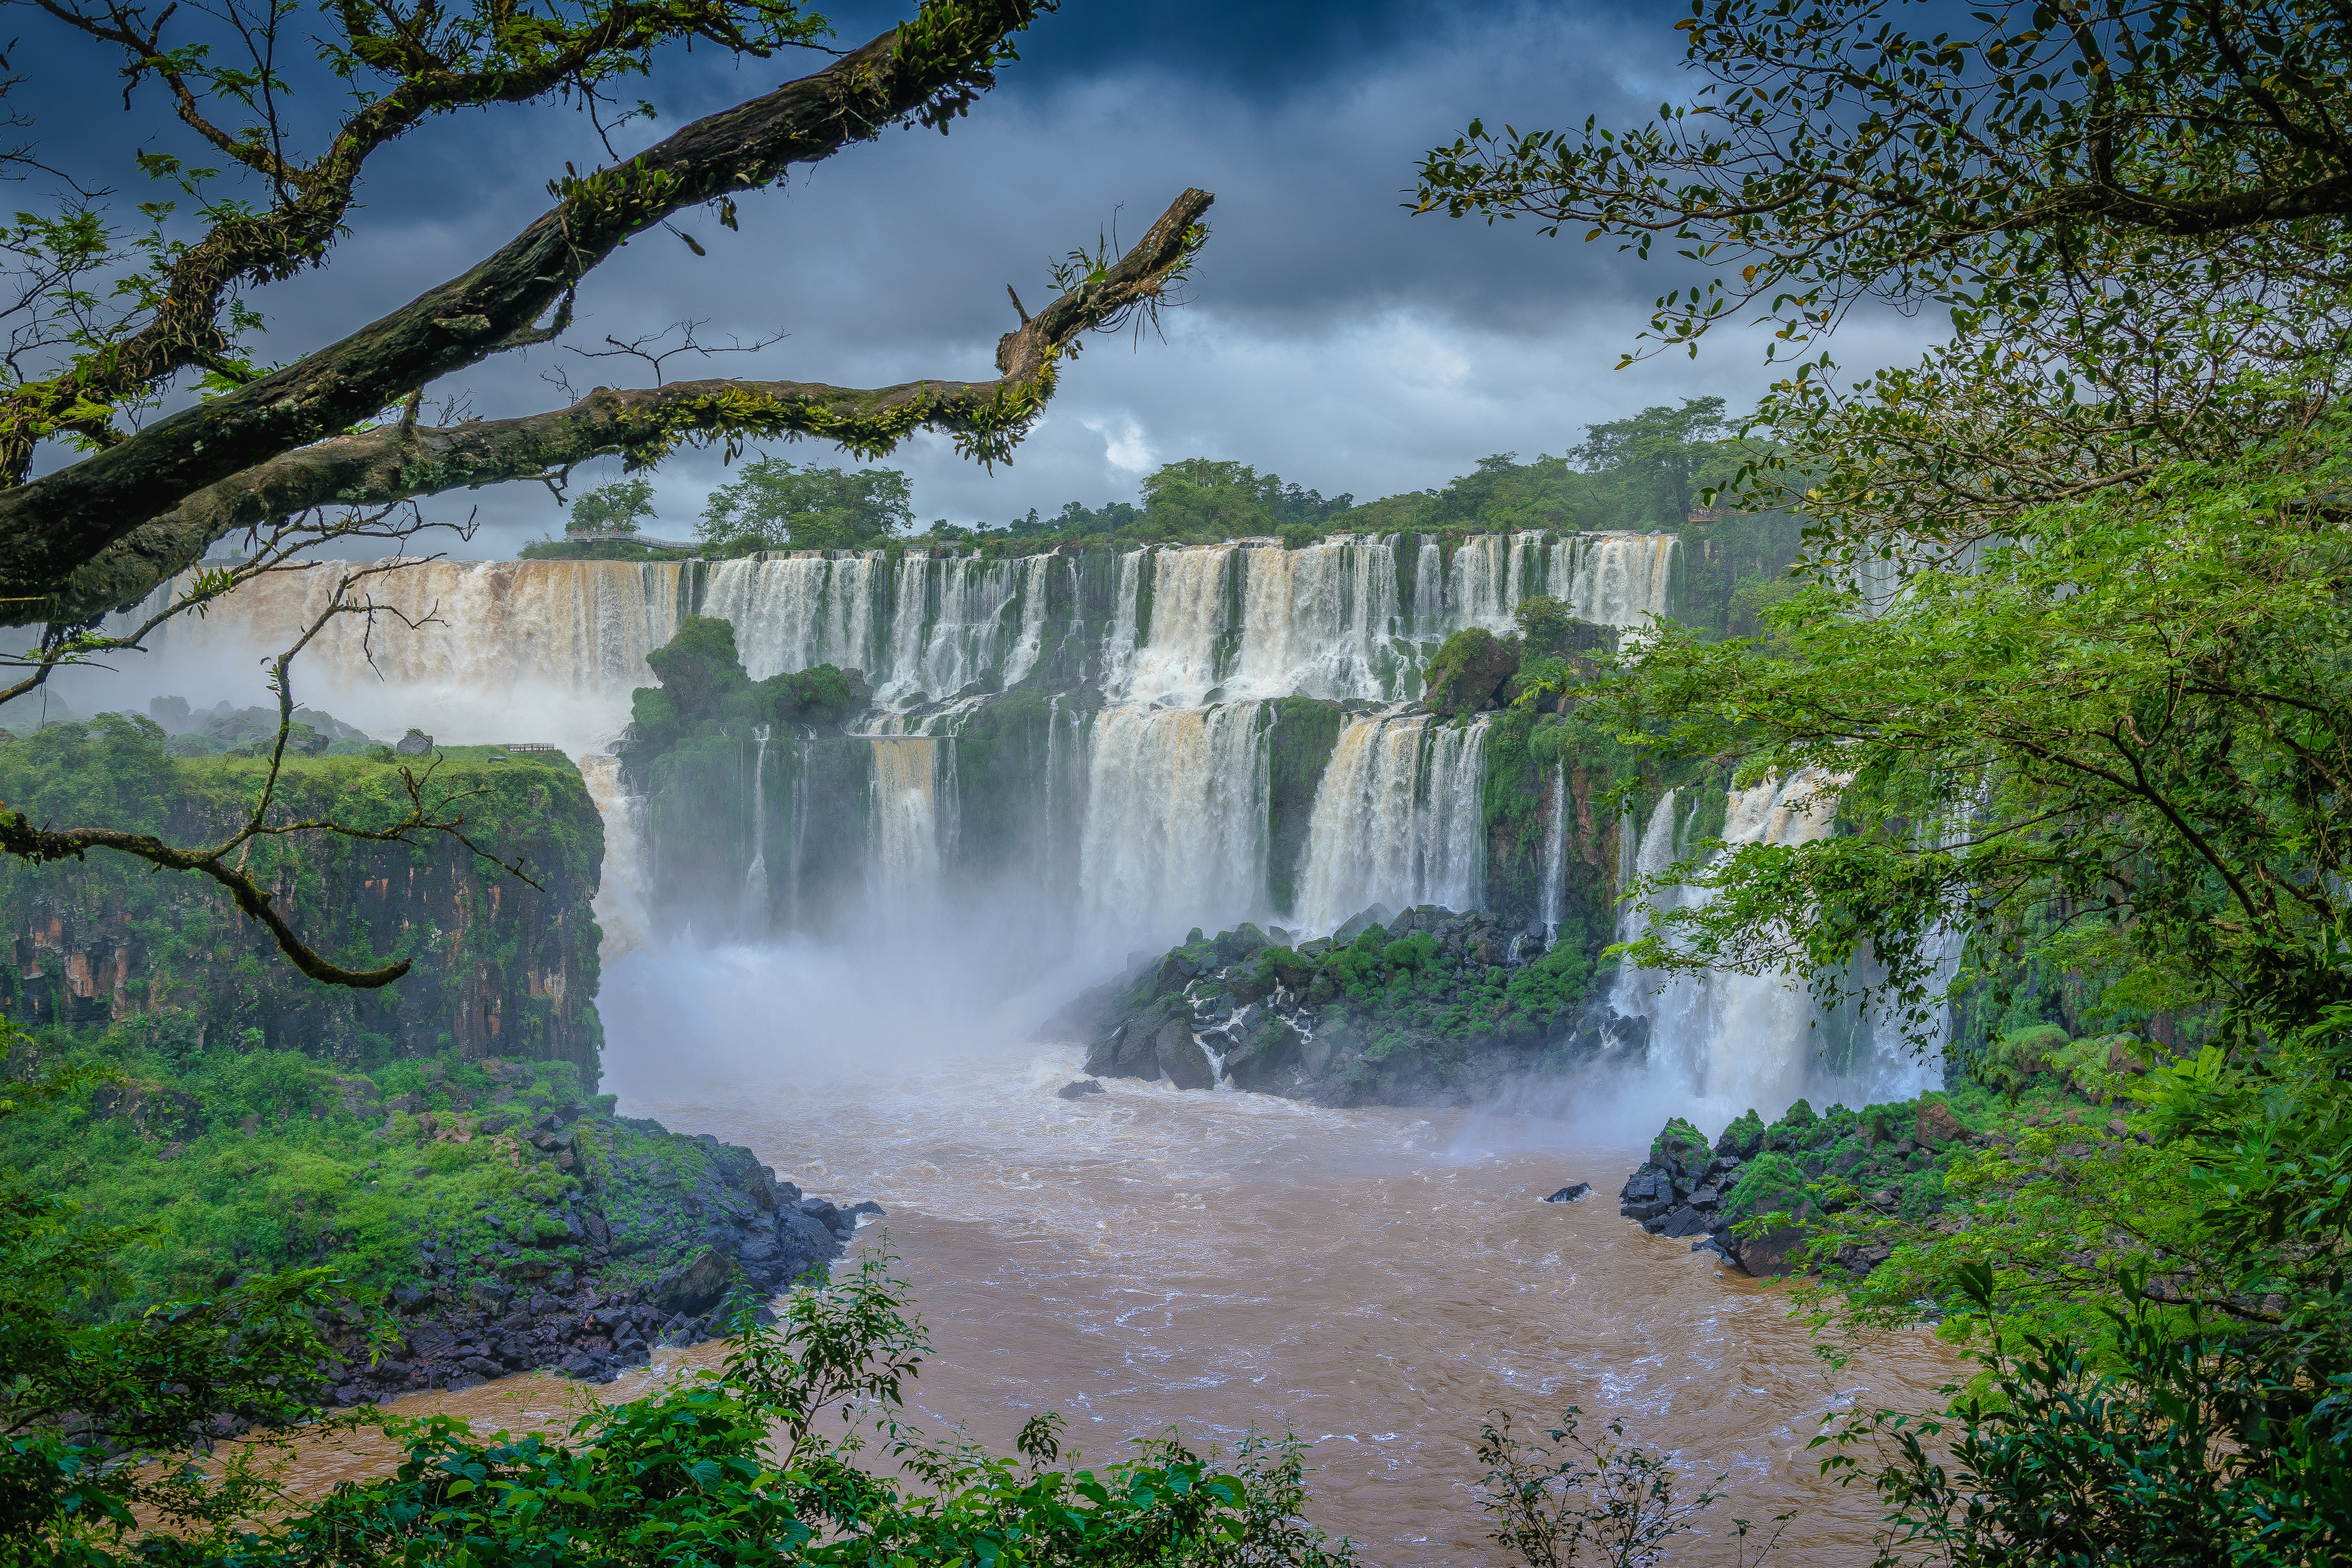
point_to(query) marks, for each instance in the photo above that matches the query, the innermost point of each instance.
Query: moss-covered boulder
(1469, 671)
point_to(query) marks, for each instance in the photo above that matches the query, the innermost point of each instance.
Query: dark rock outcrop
(1420, 1006)
(1809, 1166)
(658, 1239)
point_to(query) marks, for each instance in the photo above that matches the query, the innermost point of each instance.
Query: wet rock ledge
(1418, 1006)
(1889, 1159)
(616, 1235)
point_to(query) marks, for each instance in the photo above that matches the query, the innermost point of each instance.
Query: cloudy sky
(1330, 335)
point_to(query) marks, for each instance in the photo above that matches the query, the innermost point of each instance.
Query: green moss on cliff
(501, 967)
(431, 1174)
(1301, 734)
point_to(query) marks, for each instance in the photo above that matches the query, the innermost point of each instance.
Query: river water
(1372, 1279)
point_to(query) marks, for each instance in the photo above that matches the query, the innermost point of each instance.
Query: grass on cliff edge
(244, 1161)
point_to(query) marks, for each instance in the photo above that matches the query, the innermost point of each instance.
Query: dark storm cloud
(1329, 334)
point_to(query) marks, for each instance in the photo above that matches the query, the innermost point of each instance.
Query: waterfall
(1737, 1041)
(1317, 621)
(1478, 587)
(1429, 589)
(1396, 820)
(1555, 855)
(801, 793)
(1618, 579)
(754, 901)
(1175, 829)
(906, 819)
(798, 611)
(472, 650)
(622, 906)
(1176, 660)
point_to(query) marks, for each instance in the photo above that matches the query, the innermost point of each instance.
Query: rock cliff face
(501, 967)
(1420, 1007)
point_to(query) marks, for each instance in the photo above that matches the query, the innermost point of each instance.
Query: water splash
(621, 904)
(754, 898)
(906, 819)
(1728, 1042)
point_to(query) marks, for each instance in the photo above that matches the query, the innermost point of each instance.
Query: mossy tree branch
(928, 71)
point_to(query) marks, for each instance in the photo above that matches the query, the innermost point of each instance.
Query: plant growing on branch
(101, 532)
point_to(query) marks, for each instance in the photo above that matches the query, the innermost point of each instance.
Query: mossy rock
(1680, 1146)
(1773, 1183)
(2014, 1060)
(1469, 670)
(1743, 1138)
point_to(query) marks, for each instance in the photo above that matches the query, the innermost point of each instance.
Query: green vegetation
(614, 508)
(1425, 1009)
(237, 1162)
(498, 967)
(776, 505)
(725, 1466)
(703, 687)
(2072, 643)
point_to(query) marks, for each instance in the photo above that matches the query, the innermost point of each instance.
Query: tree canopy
(773, 504)
(2132, 209)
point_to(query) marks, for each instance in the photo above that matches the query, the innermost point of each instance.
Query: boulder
(1771, 1254)
(1079, 1090)
(1356, 924)
(1684, 1221)
(1468, 670)
(1181, 1058)
(1571, 1193)
(693, 1289)
(1271, 1051)
(415, 743)
(1938, 1125)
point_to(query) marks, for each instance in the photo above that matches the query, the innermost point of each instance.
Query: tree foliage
(773, 504)
(614, 508)
(2070, 661)
(2132, 209)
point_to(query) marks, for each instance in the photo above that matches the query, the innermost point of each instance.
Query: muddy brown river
(1373, 1280)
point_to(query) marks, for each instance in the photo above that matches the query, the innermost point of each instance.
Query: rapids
(1373, 1280)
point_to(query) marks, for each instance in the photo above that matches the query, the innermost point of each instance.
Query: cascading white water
(755, 876)
(1555, 855)
(1396, 820)
(1730, 1042)
(471, 650)
(906, 819)
(1176, 818)
(621, 905)
(1176, 661)
(1317, 621)
(791, 613)
(1615, 579)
